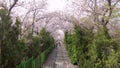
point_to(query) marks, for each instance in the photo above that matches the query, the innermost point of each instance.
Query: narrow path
(58, 59)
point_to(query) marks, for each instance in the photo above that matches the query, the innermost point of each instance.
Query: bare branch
(11, 7)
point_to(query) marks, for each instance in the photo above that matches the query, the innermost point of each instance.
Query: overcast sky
(54, 5)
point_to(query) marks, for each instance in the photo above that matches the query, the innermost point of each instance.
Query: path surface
(58, 59)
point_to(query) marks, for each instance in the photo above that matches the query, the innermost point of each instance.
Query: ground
(58, 59)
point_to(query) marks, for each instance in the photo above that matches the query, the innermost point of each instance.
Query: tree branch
(11, 7)
(110, 9)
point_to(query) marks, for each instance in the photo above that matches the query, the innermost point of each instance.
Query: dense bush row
(14, 50)
(92, 50)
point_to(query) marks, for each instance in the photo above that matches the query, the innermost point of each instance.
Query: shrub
(107, 51)
(34, 47)
(92, 50)
(77, 45)
(46, 39)
(12, 52)
(71, 47)
(39, 43)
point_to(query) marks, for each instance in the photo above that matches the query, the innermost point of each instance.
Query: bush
(46, 39)
(77, 44)
(107, 51)
(92, 50)
(15, 50)
(40, 43)
(12, 49)
(71, 47)
(84, 39)
(34, 47)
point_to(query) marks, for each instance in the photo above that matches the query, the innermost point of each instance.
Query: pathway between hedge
(58, 59)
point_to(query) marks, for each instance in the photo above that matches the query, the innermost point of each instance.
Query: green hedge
(92, 50)
(36, 63)
(71, 47)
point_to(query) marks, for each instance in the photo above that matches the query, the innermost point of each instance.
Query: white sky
(54, 5)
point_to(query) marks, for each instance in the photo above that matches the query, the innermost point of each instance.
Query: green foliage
(77, 44)
(107, 51)
(46, 39)
(92, 50)
(12, 52)
(84, 39)
(38, 48)
(34, 47)
(36, 62)
(15, 50)
(39, 43)
(71, 47)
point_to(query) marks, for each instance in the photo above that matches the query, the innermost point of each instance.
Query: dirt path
(58, 59)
